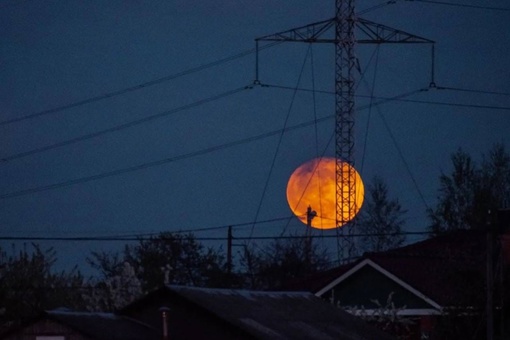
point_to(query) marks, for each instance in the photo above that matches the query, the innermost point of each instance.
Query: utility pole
(489, 309)
(229, 250)
(503, 227)
(343, 26)
(503, 223)
(310, 214)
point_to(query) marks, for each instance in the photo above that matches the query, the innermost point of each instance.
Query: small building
(199, 313)
(177, 312)
(435, 284)
(62, 324)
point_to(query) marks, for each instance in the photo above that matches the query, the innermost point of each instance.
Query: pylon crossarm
(309, 33)
(370, 33)
(378, 34)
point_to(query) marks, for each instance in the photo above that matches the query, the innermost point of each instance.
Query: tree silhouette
(29, 284)
(381, 219)
(470, 191)
(168, 258)
(281, 261)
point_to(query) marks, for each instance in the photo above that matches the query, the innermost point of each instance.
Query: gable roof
(292, 315)
(450, 269)
(435, 269)
(92, 325)
(274, 315)
(375, 266)
(104, 326)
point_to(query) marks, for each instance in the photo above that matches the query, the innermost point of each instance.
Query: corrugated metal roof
(104, 326)
(280, 315)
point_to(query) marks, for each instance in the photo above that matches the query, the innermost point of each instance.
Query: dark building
(200, 313)
(439, 284)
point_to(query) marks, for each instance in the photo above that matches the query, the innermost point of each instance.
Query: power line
(310, 180)
(490, 107)
(145, 236)
(228, 93)
(245, 238)
(234, 225)
(136, 87)
(472, 91)
(400, 153)
(462, 5)
(183, 156)
(370, 9)
(280, 139)
(370, 110)
(124, 125)
(429, 102)
(17, 3)
(121, 126)
(300, 89)
(365, 96)
(154, 163)
(316, 131)
(247, 224)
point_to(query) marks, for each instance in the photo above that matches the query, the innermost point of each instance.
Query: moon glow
(314, 184)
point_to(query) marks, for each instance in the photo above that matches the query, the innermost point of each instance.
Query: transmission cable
(157, 163)
(331, 139)
(137, 87)
(503, 9)
(400, 98)
(369, 110)
(315, 127)
(428, 102)
(471, 91)
(194, 230)
(325, 148)
(370, 9)
(17, 3)
(266, 184)
(124, 125)
(183, 156)
(401, 155)
(309, 180)
(246, 238)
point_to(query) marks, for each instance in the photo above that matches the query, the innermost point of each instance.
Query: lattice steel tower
(344, 125)
(344, 24)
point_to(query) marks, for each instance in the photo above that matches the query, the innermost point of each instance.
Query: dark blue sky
(54, 53)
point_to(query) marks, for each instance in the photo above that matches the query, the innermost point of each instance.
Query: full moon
(313, 184)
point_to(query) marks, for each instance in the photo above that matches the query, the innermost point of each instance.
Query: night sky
(56, 53)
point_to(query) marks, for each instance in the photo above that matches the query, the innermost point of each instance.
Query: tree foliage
(381, 219)
(28, 284)
(281, 261)
(118, 287)
(173, 258)
(169, 258)
(471, 190)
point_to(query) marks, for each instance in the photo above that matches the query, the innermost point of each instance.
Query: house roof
(92, 325)
(437, 268)
(103, 326)
(276, 315)
(367, 263)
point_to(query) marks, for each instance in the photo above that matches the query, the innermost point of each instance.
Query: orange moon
(314, 184)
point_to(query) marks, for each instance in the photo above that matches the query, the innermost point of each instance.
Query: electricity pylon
(343, 25)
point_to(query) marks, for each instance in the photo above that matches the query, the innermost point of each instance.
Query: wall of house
(361, 289)
(367, 285)
(45, 328)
